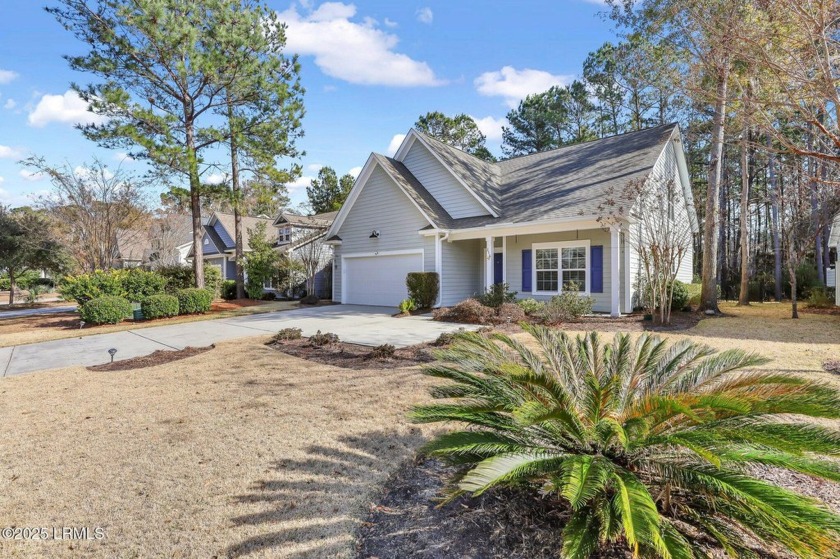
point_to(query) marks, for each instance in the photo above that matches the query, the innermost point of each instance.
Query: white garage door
(379, 280)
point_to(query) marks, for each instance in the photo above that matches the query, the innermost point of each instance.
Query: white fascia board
(527, 228)
(682, 165)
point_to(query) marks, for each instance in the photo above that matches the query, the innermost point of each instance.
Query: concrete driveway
(357, 324)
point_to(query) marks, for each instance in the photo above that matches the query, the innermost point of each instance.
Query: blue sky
(370, 69)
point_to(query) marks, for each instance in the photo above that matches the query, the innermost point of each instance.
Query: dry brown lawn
(239, 451)
(245, 451)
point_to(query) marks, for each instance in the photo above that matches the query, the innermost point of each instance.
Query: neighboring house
(219, 246)
(165, 242)
(531, 221)
(301, 237)
(831, 273)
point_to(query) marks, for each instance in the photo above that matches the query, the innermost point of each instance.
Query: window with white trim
(561, 266)
(285, 234)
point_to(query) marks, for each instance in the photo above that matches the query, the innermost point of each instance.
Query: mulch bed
(504, 523)
(354, 356)
(625, 323)
(159, 357)
(831, 311)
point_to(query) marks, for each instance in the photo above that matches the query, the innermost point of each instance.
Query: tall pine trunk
(774, 223)
(12, 286)
(239, 250)
(744, 295)
(711, 227)
(195, 206)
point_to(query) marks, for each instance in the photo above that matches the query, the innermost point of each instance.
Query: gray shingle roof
(403, 177)
(562, 183)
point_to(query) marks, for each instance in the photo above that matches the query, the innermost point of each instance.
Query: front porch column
(504, 260)
(615, 277)
(488, 263)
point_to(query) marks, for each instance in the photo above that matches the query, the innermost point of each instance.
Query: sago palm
(652, 445)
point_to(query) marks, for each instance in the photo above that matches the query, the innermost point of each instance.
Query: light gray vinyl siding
(517, 243)
(665, 172)
(381, 205)
(441, 183)
(462, 271)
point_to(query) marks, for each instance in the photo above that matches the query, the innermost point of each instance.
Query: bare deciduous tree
(90, 204)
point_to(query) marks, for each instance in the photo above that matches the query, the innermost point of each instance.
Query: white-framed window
(560, 266)
(285, 234)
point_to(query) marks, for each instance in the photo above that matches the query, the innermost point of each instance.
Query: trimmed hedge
(194, 301)
(229, 290)
(423, 288)
(680, 297)
(105, 310)
(133, 284)
(159, 306)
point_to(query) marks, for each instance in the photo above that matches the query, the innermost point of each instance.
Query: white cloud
(30, 176)
(491, 127)
(123, 157)
(300, 183)
(390, 23)
(10, 104)
(314, 167)
(68, 108)
(355, 52)
(7, 152)
(81, 171)
(354, 172)
(215, 178)
(2, 180)
(7, 76)
(514, 85)
(425, 15)
(395, 144)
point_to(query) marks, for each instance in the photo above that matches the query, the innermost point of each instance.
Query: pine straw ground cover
(239, 451)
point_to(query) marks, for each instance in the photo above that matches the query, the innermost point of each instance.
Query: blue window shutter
(526, 270)
(596, 261)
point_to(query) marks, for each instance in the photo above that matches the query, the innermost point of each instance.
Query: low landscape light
(112, 352)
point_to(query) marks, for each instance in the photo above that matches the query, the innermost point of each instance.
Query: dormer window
(285, 234)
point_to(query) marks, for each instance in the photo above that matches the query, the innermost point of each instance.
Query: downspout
(439, 263)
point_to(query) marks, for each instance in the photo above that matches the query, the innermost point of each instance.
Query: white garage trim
(345, 257)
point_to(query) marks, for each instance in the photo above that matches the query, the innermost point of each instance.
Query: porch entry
(498, 267)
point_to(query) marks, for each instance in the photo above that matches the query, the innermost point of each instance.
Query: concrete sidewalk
(352, 323)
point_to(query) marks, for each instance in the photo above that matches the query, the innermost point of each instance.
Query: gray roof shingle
(562, 183)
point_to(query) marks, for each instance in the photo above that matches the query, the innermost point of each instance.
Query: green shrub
(137, 284)
(567, 306)
(182, 277)
(384, 351)
(24, 281)
(177, 277)
(107, 309)
(269, 296)
(821, 298)
(320, 340)
(469, 311)
(287, 334)
(423, 288)
(679, 298)
(229, 290)
(213, 279)
(496, 295)
(651, 447)
(159, 306)
(194, 300)
(34, 293)
(253, 289)
(806, 279)
(407, 306)
(530, 306)
(133, 284)
(310, 300)
(84, 287)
